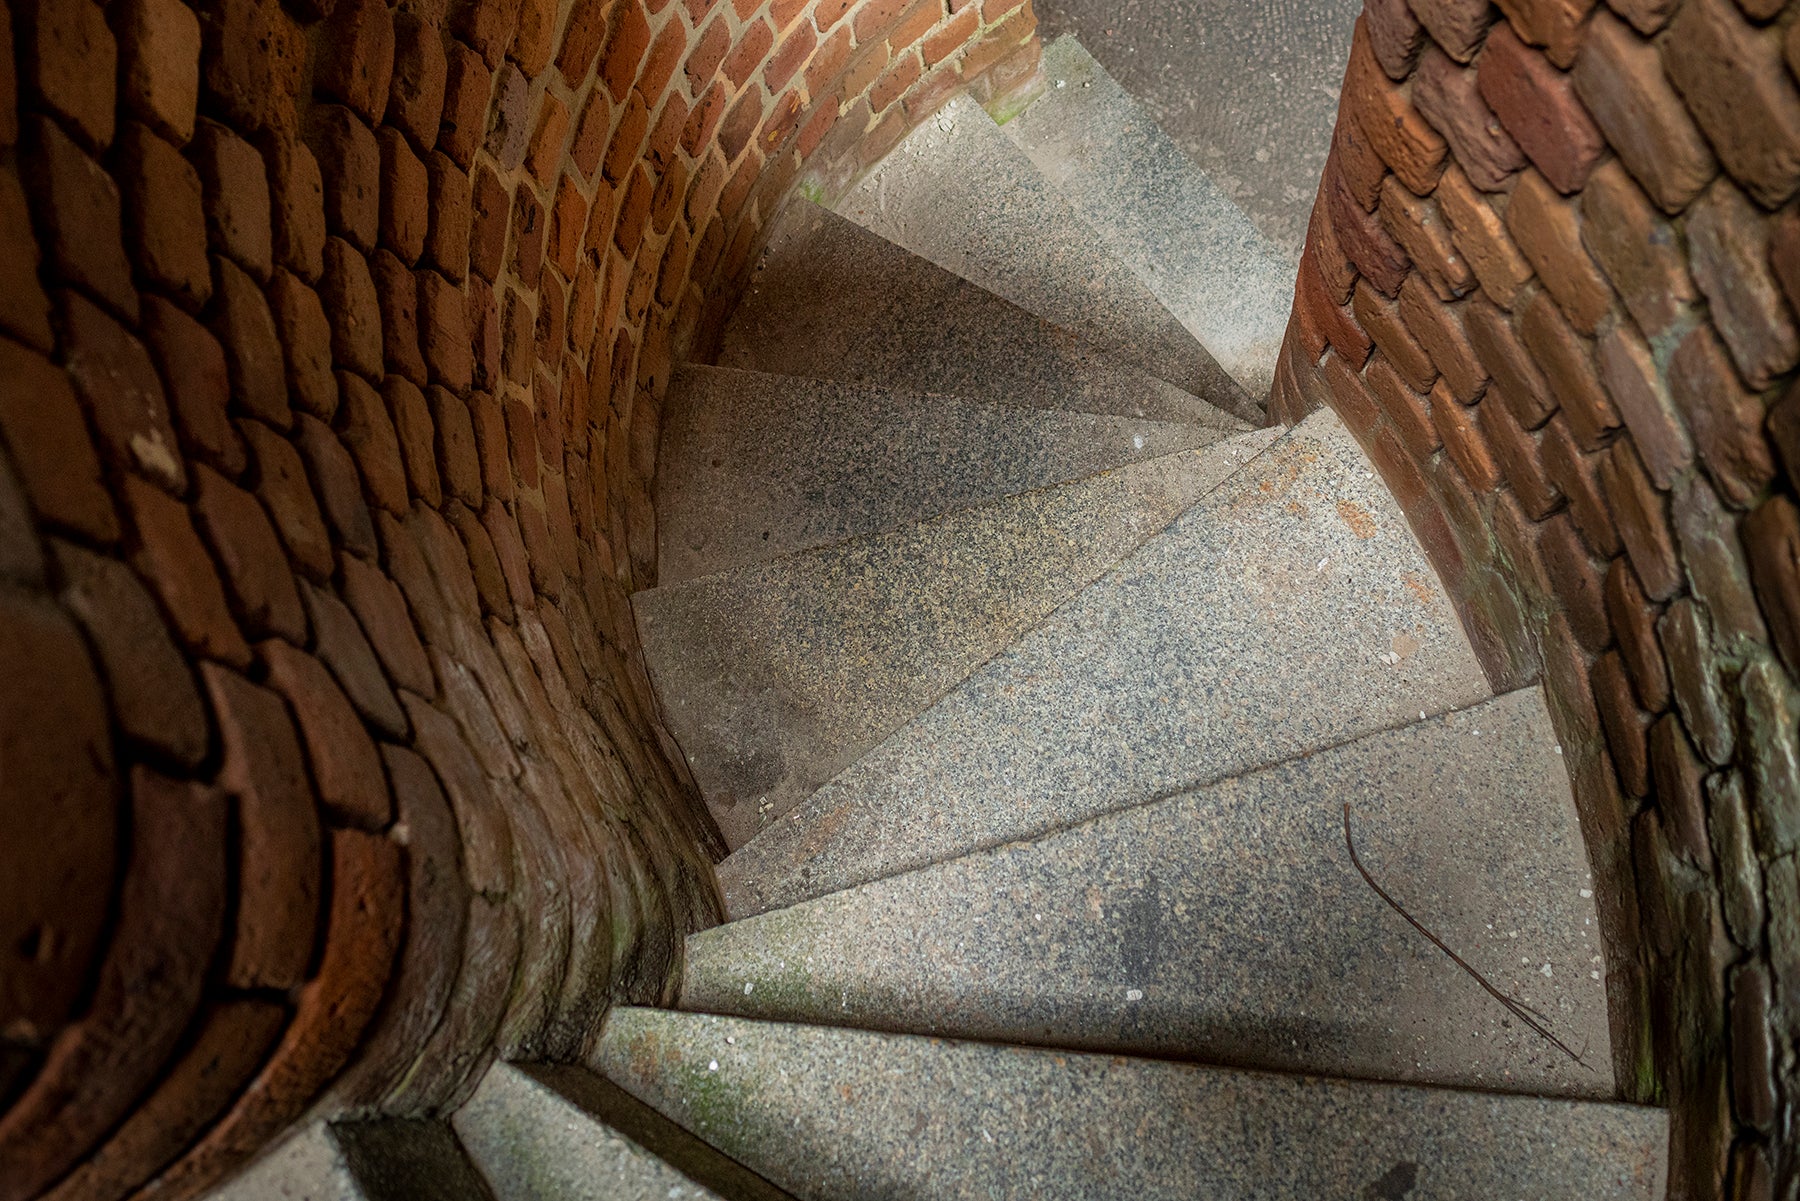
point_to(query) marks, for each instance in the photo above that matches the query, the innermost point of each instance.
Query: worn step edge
(388, 1159)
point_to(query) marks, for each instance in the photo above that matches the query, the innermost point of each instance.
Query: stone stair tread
(896, 1116)
(552, 1133)
(775, 677)
(391, 1159)
(1289, 611)
(831, 300)
(1159, 213)
(1228, 924)
(957, 191)
(756, 467)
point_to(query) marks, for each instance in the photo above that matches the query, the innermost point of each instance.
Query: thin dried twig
(1516, 1008)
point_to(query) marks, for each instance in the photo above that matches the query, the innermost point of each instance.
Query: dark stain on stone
(1396, 1185)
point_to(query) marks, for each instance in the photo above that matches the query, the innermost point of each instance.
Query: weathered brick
(58, 817)
(1479, 232)
(368, 433)
(256, 570)
(1724, 418)
(337, 486)
(550, 133)
(1459, 26)
(444, 331)
(1377, 256)
(1511, 366)
(1642, 518)
(41, 423)
(1731, 76)
(246, 331)
(1334, 322)
(356, 60)
(509, 119)
(1538, 106)
(1385, 114)
(278, 833)
(1547, 230)
(459, 464)
(1556, 25)
(1627, 726)
(1740, 876)
(529, 228)
(1576, 474)
(238, 220)
(484, 562)
(345, 768)
(159, 63)
(535, 40)
(1633, 620)
(118, 385)
(69, 62)
(446, 245)
(1646, 16)
(1464, 443)
(381, 609)
(171, 556)
(348, 290)
(1694, 679)
(1637, 250)
(1395, 36)
(405, 213)
(1769, 709)
(1629, 371)
(1619, 76)
(284, 490)
(1729, 243)
(1417, 226)
(305, 334)
(1354, 157)
(1447, 95)
(299, 208)
(77, 215)
(415, 99)
(1439, 330)
(1566, 361)
(196, 381)
(253, 63)
(1677, 776)
(24, 309)
(349, 159)
(165, 217)
(1380, 317)
(1713, 560)
(1521, 461)
(1334, 266)
(467, 84)
(1772, 541)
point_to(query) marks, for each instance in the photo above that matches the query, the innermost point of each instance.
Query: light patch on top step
(958, 192)
(1229, 924)
(776, 677)
(831, 300)
(1159, 214)
(846, 1115)
(1291, 610)
(755, 467)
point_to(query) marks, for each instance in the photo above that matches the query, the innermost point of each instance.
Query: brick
(1479, 232)
(253, 61)
(337, 487)
(1575, 581)
(1713, 558)
(1334, 322)
(69, 63)
(1386, 116)
(1464, 442)
(1730, 74)
(1516, 452)
(1754, 1060)
(1677, 776)
(356, 59)
(238, 213)
(196, 381)
(246, 332)
(1556, 25)
(490, 210)
(661, 61)
(305, 334)
(1511, 366)
(529, 229)
(118, 385)
(78, 217)
(348, 290)
(368, 434)
(1619, 76)
(1629, 372)
(1335, 269)
(1576, 474)
(1646, 16)
(1395, 36)
(1447, 95)
(458, 461)
(415, 99)
(1459, 26)
(349, 159)
(1642, 519)
(535, 40)
(1633, 619)
(255, 569)
(484, 562)
(484, 332)
(171, 910)
(1547, 230)
(549, 135)
(1566, 361)
(404, 209)
(1417, 226)
(165, 216)
(594, 127)
(1728, 240)
(1636, 249)
(382, 611)
(342, 646)
(444, 328)
(1538, 106)
(41, 423)
(568, 219)
(24, 309)
(1406, 410)
(345, 767)
(298, 198)
(1377, 256)
(490, 439)
(509, 549)
(509, 119)
(1380, 317)
(1772, 544)
(57, 816)
(283, 488)
(1627, 726)
(1438, 329)
(412, 425)
(1694, 680)
(159, 63)
(467, 84)
(1724, 418)
(1784, 430)
(170, 555)
(21, 556)
(279, 857)
(446, 244)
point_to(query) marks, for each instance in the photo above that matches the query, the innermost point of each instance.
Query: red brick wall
(1551, 284)
(333, 339)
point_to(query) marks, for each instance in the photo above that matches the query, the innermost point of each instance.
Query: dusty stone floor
(1248, 88)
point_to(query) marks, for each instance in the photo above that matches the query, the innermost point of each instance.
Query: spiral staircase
(1039, 693)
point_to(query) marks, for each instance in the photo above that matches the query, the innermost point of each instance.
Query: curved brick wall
(332, 347)
(1551, 283)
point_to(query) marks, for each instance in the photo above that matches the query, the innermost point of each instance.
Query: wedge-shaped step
(777, 677)
(389, 1160)
(754, 467)
(958, 192)
(1291, 610)
(1229, 925)
(889, 1117)
(549, 1133)
(1159, 214)
(834, 301)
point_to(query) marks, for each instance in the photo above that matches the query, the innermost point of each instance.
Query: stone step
(958, 192)
(1229, 925)
(831, 300)
(1290, 611)
(843, 1115)
(558, 1133)
(392, 1159)
(1159, 213)
(755, 467)
(776, 677)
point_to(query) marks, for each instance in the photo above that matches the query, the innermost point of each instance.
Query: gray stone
(1291, 610)
(755, 467)
(532, 1144)
(1159, 214)
(831, 300)
(958, 192)
(1229, 924)
(385, 1160)
(777, 677)
(844, 1115)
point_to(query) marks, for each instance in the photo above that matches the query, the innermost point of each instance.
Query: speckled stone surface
(831, 300)
(1229, 925)
(844, 1115)
(532, 1144)
(755, 467)
(1290, 611)
(308, 1165)
(958, 192)
(774, 678)
(384, 1160)
(1159, 214)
